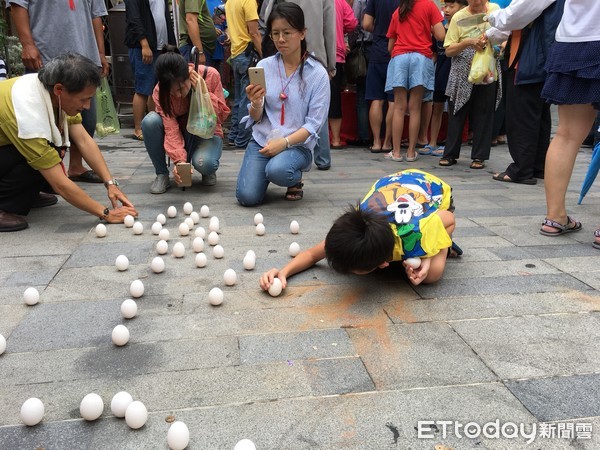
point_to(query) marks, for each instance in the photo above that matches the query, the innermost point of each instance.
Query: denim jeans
(239, 134)
(204, 154)
(257, 171)
(322, 150)
(186, 52)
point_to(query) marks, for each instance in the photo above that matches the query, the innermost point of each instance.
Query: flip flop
(425, 150)
(136, 137)
(503, 176)
(89, 176)
(376, 150)
(439, 152)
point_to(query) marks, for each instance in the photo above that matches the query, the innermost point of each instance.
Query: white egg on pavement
(198, 244)
(32, 411)
(162, 247)
(138, 228)
(2, 344)
(136, 415)
(214, 224)
(189, 222)
(294, 227)
(184, 229)
(249, 262)
(161, 219)
(100, 230)
(157, 265)
(215, 296)
(122, 263)
(258, 218)
(188, 208)
(129, 309)
(178, 436)
(213, 238)
(275, 288)
(204, 211)
(260, 229)
(230, 277)
(136, 288)
(245, 444)
(31, 296)
(120, 335)
(156, 227)
(201, 260)
(164, 234)
(120, 402)
(129, 220)
(171, 211)
(195, 217)
(251, 252)
(218, 251)
(200, 232)
(179, 250)
(294, 249)
(91, 407)
(415, 263)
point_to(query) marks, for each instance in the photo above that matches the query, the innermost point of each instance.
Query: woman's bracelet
(258, 108)
(287, 142)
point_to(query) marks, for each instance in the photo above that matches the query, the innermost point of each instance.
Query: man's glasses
(286, 35)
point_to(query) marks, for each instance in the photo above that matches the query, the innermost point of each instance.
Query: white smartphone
(257, 76)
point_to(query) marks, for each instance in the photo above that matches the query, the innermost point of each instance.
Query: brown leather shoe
(11, 222)
(44, 200)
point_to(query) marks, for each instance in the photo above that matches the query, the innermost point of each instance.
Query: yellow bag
(483, 67)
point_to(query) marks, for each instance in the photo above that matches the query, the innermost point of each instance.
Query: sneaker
(160, 184)
(209, 180)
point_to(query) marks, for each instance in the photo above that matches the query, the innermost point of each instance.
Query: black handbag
(356, 62)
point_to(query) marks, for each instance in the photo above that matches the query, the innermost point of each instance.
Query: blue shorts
(408, 71)
(375, 83)
(145, 79)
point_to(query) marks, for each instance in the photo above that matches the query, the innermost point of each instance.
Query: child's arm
(303, 261)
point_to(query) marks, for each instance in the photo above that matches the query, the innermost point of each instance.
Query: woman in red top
(411, 68)
(165, 130)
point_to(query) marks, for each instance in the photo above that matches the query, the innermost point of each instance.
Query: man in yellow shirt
(39, 115)
(242, 27)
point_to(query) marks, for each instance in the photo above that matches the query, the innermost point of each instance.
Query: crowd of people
(465, 57)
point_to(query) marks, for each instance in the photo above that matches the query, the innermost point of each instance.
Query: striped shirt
(3, 75)
(307, 102)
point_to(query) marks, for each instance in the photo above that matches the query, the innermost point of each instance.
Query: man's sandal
(477, 164)
(447, 162)
(560, 229)
(596, 243)
(295, 192)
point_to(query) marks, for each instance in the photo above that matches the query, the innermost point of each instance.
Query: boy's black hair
(359, 241)
(460, 2)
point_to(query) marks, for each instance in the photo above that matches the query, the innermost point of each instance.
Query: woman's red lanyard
(72, 5)
(283, 97)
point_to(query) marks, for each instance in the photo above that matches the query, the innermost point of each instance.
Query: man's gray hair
(73, 71)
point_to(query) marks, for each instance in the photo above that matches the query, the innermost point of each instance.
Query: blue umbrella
(592, 171)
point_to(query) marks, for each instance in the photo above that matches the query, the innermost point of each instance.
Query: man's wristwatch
(105, 214)
(114, 182)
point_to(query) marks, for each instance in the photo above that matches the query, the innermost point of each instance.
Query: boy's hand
(416, 276)
(266, 279)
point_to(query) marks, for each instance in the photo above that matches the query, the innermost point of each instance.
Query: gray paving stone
(522, 284)
(30, 278)
(292, 346)
(491, 269)
(338, 376)
(417, 355)
(564, 250)
(535, 346)
(559, 398)
(105, 254)
(575, 264)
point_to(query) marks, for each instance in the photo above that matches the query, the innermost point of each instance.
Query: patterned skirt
(573, 74)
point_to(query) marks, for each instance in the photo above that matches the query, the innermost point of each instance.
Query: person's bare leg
(415, 100)
(139, 111)
(400, 95)
(574, 124)
(426, 112)
(436, 123)
(375, 119)
(389, 116)
(76, 166)
(336, 126)
(150, 104)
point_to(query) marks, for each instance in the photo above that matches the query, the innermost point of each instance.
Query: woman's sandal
(295, 192)
(596, 243)
(477, 164)
(447, 162)
(560, 228)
